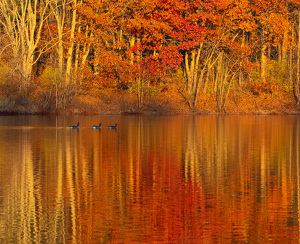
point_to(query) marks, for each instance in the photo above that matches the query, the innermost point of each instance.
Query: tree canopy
(211, 46)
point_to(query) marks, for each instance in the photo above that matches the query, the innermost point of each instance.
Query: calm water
(182, 179)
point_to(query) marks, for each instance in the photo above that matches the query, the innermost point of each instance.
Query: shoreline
(116, 102)
(145, 113)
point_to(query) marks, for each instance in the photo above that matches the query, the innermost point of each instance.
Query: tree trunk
(191, 66)
(284, 48)
(60, 51)
(131, 44)
(71, 46)
(291, 67)
(195, 73)
(76, 64)
(296, 83)
(263, 64)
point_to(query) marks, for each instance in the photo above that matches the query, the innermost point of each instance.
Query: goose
(97, 126)
(113, 126)
(75, 126)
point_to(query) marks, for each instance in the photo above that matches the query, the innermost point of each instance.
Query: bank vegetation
(150, 56)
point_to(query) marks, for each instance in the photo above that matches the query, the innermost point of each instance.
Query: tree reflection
(185, 179)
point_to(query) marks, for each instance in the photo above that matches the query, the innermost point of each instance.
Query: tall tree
(198, 34)
(152, 54)
(70, 52)
(59, 10)
(22, 23)
(271, 18)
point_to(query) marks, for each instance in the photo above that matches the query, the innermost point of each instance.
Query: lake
(155, 179)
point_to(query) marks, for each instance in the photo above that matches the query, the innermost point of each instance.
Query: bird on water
(113, 126)
(97, 126)
(75, 126)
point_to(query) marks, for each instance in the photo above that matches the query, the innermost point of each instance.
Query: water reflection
(182, 179)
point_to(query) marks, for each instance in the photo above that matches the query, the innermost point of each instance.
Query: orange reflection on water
(185, 179)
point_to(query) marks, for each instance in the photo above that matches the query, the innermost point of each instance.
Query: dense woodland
(202, 55)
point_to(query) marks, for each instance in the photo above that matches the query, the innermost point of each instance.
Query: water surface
(160, 179)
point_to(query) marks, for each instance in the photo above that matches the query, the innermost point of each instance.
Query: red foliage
(267, 86)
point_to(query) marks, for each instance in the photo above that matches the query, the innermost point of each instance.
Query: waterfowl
(113, 126)
(97, 126)
(75, 126)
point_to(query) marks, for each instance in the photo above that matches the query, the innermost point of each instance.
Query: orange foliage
(143, 42)
(130, 36)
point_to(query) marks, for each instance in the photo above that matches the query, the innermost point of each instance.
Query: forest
(150, 56)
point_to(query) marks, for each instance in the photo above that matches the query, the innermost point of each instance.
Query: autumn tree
(59, 10)
(272, 27)
(128, 42)
(196, 28)
(70, 52)
(264, 29)
(152, 54)
(294, 10)
(22, 23)
(100, 36)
